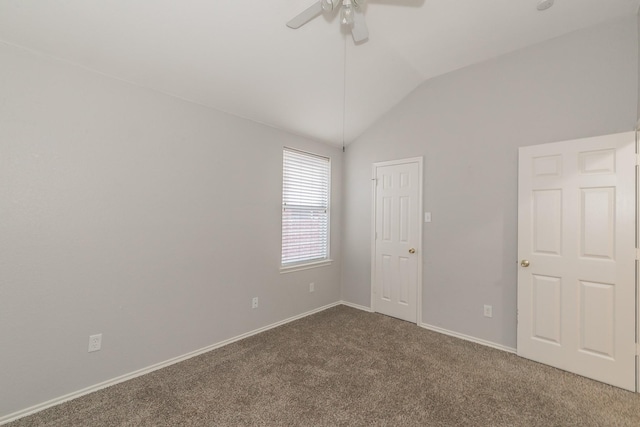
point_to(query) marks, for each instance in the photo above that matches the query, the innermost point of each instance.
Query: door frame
(637, 135)
(374, 169)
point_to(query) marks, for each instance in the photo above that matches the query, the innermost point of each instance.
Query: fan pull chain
(344, 93)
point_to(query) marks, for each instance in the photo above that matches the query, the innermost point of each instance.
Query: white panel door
(397, 238)
(576, 245)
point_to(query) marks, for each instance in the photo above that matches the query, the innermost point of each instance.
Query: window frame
(315, 262)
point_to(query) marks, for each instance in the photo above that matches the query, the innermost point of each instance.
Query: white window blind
(305, 207)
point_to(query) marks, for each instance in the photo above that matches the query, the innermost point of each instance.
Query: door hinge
(637, 254)
(637, 159)
(637, 349)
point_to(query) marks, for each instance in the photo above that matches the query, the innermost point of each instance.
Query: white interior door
(576, 245)
(397, 238)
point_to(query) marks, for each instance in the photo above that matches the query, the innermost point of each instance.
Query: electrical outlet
(254, 302)
(95, 342)
(488, 311)
(312, 287)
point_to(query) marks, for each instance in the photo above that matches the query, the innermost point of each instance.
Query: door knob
(524, 263)
(412, 251)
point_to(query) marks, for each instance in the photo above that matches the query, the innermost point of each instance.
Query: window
(305, 208)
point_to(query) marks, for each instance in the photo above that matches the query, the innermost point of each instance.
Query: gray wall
(133, 214)
(468, 125)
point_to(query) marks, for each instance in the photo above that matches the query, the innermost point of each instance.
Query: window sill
(307, 266)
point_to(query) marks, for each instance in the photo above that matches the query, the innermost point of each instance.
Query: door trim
(637, 135)
(374, 167)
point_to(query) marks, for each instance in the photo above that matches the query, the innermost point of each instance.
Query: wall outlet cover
(95, 342)
(488, 311)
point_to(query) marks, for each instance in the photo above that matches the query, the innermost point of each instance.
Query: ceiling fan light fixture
(346, 13)
(351, 14)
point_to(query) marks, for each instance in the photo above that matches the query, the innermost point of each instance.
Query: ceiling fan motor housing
(351, 15)
(329, 5)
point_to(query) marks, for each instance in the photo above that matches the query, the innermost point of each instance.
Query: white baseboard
(468, 338)
(74, 395)
(357, 306)
(443, 331)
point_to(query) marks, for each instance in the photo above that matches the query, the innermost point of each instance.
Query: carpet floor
(346, 367)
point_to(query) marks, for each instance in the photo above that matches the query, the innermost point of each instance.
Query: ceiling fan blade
(306, 15)
(359, 30)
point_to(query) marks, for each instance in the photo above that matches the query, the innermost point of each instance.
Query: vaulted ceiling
(239, 57)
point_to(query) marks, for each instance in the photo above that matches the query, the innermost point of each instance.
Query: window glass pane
(305, 207)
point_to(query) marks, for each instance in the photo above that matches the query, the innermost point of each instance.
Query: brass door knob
(524, 263)
(412, 251)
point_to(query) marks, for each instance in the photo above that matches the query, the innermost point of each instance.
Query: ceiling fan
(351, 14)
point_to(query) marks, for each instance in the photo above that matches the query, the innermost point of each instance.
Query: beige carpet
(345, 367)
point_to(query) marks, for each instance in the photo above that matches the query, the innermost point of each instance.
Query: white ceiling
(239, 57)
